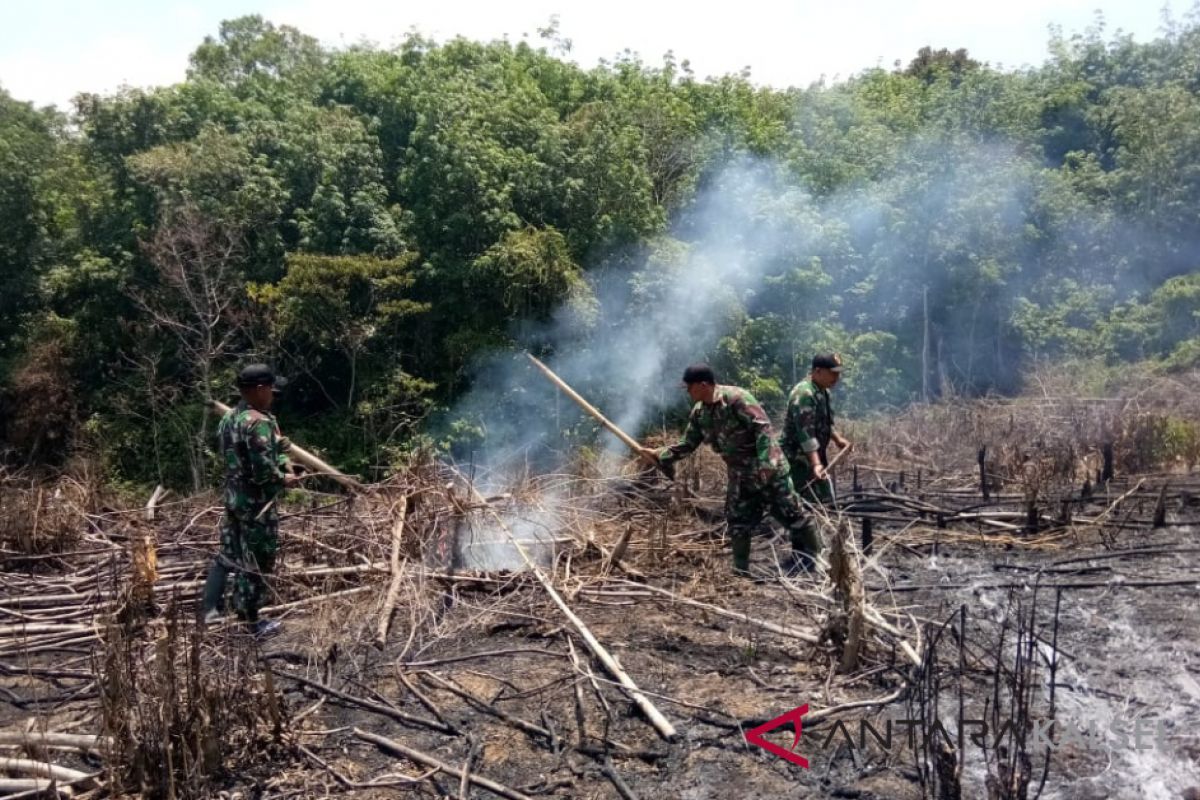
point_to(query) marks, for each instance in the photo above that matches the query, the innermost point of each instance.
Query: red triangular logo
(755, 735)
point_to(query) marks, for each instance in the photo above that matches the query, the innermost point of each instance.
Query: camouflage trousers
(248, 547)
(748, 500)
(819, 492)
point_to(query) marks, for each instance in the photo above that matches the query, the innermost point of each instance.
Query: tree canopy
(396, 219)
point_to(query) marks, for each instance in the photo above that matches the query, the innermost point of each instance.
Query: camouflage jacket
(255, 457)
(809, 422)
(738, 429)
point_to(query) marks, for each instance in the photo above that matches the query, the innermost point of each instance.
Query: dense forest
(391, 227)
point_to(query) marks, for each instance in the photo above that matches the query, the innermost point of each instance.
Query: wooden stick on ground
(389, 602)
(618, 551)
(421, 758)
(41, 769)
(32, 787)
(362, 702)
(660, 723)
(377, 784)
(52, 741)
(622, 788)
(782, 630)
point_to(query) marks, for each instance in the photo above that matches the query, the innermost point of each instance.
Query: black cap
(830, 361)
(699, 373)
(258, 375)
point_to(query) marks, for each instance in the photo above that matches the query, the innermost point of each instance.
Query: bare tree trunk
(971, 347)
(925, 349)
(945, 389)
(196, 302)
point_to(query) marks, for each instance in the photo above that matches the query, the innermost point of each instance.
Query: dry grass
(182, 708)
(39, 517)
(1049, 435)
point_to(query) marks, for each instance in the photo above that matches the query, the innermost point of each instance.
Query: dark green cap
(258, 375)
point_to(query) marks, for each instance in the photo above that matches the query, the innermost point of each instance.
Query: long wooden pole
(298, 453)
(629, 441)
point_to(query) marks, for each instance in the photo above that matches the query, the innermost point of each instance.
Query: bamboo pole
(42, 769)
(594, 412)
(774, 627)
(316, 465)
(52, 741)
(629, 441)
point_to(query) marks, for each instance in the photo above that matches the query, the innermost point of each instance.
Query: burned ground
(1048, 599)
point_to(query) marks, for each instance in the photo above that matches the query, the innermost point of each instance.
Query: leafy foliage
(403, 215)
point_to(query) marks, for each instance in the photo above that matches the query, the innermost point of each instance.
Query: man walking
(808, 429)
(257, 470)
(732, 422)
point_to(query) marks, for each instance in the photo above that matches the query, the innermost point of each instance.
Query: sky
(52, 49)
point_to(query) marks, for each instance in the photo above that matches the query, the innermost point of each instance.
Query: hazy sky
(51, 49)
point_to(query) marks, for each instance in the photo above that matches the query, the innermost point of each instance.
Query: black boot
(798, 563)
(214, 591)
(741, 555)
(806, 545)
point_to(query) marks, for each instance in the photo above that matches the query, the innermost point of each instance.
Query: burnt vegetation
(408, 662)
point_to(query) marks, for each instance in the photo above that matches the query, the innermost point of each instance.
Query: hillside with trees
(390, 226)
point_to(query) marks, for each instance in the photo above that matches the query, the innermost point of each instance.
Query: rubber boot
(806, 546)
(741, 555)
(214, 587)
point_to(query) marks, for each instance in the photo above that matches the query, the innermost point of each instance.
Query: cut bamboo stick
(42, 769)
(782, 630)
(67, 741)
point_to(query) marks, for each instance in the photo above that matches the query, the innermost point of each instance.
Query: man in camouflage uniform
(808, 429)
(257, 470)
(737, 428)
